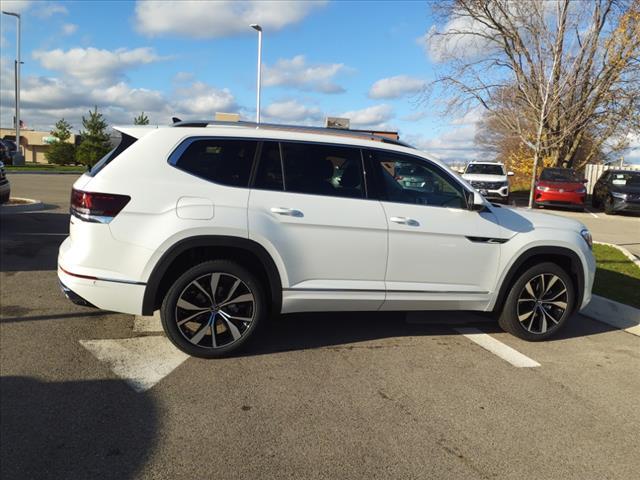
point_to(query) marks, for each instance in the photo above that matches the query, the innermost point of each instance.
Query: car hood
(518, 220)
(477, 177)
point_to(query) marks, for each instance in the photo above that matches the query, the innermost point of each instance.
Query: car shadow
(74, 429)
(345, 330)
(29, 241)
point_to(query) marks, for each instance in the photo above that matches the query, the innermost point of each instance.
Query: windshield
(484, 169)
(559, 175)
(625, 178)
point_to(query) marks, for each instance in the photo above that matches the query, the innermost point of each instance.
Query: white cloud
(292, 111)
(440, 48)
(376, 115)
(48, 9)
(632, 155)
(204, 100)
(199, 19)
(396, 87)
(296, 73)
(16, 6)
(414, 116)
(182, 77)
(92, 66)
(69, 28)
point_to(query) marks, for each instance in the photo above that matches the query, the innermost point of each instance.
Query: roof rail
(292, 128)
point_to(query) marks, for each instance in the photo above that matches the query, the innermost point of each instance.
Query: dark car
(9, 150)
(560, 187)
(5, 188)
(617, 191)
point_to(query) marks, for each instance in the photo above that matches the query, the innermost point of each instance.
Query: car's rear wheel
(539, 304)
(213, 309)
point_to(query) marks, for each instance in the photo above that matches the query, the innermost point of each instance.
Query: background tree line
(94, 144)
(558, 81)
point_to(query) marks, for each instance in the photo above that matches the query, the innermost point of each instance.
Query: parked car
(11, 149)
(560, 187)
(490, 179)
(5, 187)
(220, 225)
(617, 191)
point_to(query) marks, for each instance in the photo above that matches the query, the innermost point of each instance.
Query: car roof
(484, 162)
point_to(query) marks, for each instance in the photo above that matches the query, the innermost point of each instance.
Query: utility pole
(18, 160)
(258, 29)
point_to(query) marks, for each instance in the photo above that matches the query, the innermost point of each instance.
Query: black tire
(202, 327)
(508, 319)
(608, 206)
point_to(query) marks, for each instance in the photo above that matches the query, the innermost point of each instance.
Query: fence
(592, 173)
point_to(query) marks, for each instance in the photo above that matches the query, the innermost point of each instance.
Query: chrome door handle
(405, 221)
(291, 212)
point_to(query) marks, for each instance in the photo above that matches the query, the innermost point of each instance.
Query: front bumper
(501, 194)
(625, 205)
(560, 199)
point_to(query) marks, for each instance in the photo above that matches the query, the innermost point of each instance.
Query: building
(33, 143)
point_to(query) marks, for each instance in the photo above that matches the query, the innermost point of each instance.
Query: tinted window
(404, 179)
(227, 162)
(559, 175)
(269, 174)
(484, 169)
(322, 170)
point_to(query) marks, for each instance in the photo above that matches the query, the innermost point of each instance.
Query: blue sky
(364, 60)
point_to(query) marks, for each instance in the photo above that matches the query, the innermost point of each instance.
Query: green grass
(45, 167)
(617, 277)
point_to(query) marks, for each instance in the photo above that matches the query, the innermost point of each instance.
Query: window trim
(378, 190)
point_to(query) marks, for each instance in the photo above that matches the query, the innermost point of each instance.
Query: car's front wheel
(539, 303)
(213, 309)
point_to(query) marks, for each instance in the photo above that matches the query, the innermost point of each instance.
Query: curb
(613, 313)
(31, 206)
(626, 252)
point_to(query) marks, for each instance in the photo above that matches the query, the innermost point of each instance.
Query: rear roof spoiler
(135, 131)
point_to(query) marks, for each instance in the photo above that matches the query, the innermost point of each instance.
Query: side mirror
(475, 201)
(510, 174)
(584, 180)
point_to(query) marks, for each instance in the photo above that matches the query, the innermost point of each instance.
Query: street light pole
(18, 158)
(258, 29)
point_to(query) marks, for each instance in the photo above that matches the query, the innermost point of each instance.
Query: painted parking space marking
(147, 324)
(591, 213)
(498, 348)
(141, 362)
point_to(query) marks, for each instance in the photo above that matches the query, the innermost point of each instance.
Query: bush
(62, 153)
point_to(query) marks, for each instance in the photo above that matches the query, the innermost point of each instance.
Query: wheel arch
(563, 256)
(190, 251)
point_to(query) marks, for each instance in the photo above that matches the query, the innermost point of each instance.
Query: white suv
(490, 179)
(221, 225)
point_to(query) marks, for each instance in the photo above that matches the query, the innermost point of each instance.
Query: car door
(308, 207)
(441, 255)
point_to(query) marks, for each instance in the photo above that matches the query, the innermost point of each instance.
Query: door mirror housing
(475, 201)
(510, 174)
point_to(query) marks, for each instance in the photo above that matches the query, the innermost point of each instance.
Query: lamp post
(18, 158)
(258, 29)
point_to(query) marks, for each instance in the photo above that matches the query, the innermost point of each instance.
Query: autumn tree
(95, 141)
(561, 77)
(61, 152)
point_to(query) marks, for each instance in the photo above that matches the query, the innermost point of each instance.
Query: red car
(560, 187)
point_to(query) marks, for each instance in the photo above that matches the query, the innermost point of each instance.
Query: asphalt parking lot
(324, 395)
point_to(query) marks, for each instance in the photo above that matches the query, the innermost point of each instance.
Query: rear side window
(269, 173)
(322, 170)
(227, 162)
(125, 142)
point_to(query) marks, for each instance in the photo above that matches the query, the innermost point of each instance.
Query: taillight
(96, 207)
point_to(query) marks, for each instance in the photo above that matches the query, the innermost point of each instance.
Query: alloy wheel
(215, 310)
(542, 303)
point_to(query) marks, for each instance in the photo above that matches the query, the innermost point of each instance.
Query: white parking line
(498, 348)
(141, 362)
(591, 213)
(147, 324)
